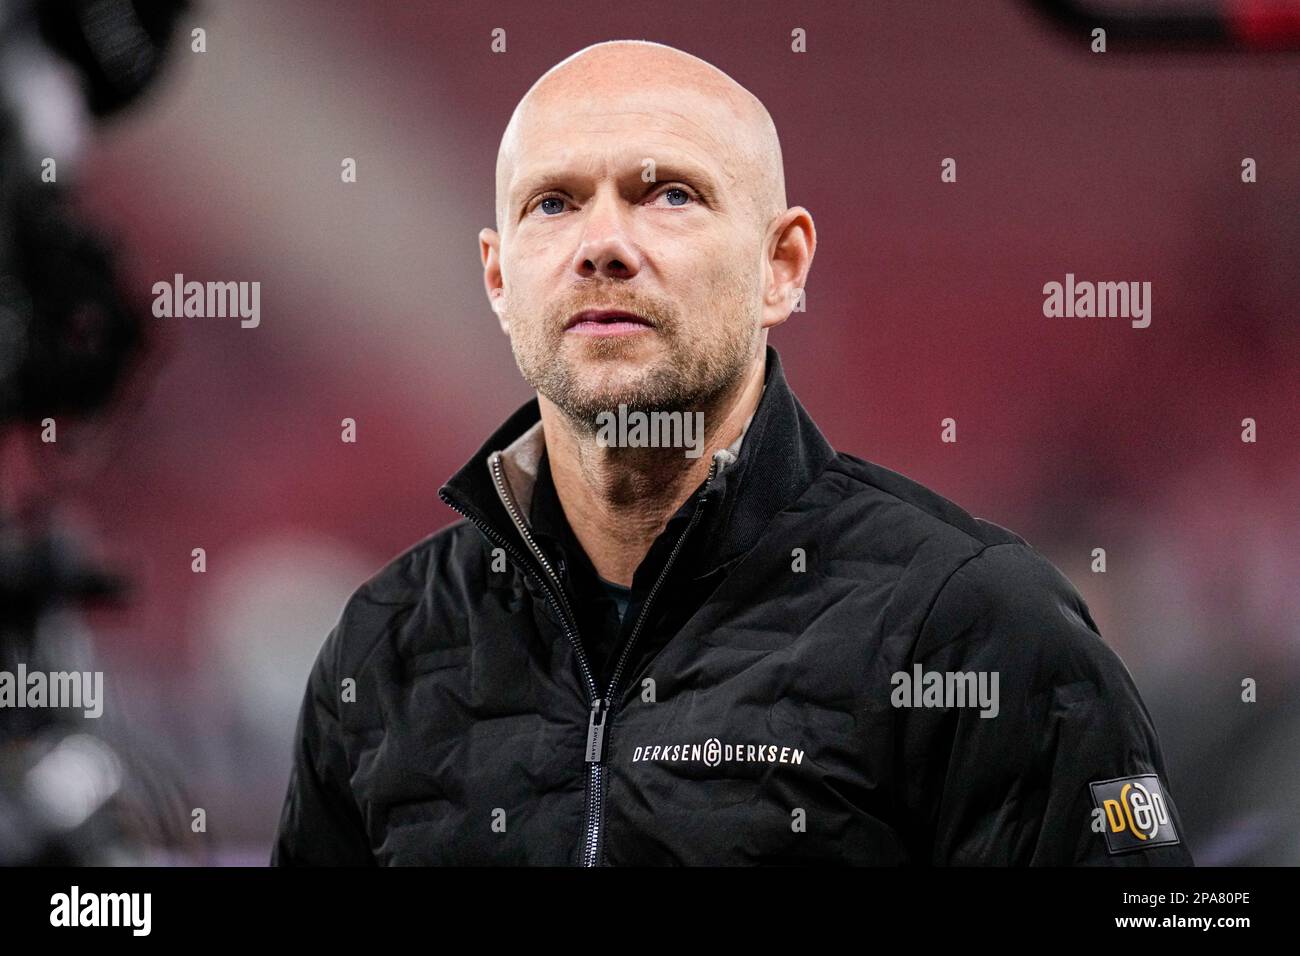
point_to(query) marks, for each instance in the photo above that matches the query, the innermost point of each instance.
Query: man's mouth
(607, 322)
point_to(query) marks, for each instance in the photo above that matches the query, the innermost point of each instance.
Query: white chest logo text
(713, 752)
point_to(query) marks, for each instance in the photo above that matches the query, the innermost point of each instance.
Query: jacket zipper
(611, 694)
(598, 717)
(555, 594)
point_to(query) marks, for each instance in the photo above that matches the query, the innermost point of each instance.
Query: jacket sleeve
(1066, 769)
(320, 824)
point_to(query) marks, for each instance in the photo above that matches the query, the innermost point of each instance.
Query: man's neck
(618, 500)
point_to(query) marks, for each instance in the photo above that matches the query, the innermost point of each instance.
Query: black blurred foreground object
(1246, 26)
(71, 793)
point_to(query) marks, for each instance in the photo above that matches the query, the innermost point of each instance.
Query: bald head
(709, 109)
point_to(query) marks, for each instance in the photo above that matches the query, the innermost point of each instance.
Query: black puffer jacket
(761, 713)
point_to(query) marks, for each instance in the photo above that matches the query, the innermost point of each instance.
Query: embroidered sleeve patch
(1136, 813)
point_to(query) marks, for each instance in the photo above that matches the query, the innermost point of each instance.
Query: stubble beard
(689, 374)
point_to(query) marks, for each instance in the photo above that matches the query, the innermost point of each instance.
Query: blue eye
(559, 203)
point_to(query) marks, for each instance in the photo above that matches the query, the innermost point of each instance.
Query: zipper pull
(596, 731)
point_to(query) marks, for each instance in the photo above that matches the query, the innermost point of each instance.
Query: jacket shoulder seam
(419, 548)
(938, 594)
(836, 466)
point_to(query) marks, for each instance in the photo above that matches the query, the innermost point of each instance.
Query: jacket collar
(776, 458)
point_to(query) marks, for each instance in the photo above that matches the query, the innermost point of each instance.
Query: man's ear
(792, 242)
(489, 246)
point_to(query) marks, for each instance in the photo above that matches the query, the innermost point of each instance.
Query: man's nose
(606, 248)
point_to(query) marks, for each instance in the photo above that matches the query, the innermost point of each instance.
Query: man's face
(582, 229)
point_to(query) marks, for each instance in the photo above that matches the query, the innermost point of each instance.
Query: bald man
(674, 625)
